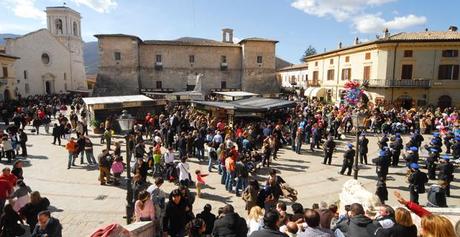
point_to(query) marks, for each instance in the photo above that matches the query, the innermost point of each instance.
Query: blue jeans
(299, 146)
(82, 153)
(229, 181)
(156, 168)
(210, 163)
(293, 143)
(90, 157)
(219, 167)
(70, 160)
(224, 175)
(241, 183)
(200, 153)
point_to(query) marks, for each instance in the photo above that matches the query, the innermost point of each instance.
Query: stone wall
(117, 77)
(138, 66)
(141, 229)
(177, 71)
(259, 77)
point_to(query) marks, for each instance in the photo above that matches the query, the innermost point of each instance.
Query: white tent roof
(236, 93)
(115, 99)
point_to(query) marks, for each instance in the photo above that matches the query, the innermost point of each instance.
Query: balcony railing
(314, 83)
(420, 83)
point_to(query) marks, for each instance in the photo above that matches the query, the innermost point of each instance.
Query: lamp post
(126, 122)
(358, 118)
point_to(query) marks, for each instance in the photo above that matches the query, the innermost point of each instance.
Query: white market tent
(235, 95)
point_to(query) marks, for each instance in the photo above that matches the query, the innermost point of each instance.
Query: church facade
(130, 65)
(51, 60)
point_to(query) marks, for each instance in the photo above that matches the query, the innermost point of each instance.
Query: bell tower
(65, 24)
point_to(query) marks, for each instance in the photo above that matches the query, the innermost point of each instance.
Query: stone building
(7, 77)
(129, 64)
(410, 69)
(51, 60)
(294, 76)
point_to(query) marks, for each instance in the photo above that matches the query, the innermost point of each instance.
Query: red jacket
(5, 189)
(11, 178)
(417, 209)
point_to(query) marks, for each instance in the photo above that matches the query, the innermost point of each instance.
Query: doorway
(444, 101)
(48, 87)
(6, 95)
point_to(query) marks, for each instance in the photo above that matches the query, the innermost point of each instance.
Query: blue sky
(294, 23)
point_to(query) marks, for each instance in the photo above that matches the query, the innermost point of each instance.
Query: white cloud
(102, 6)
(374, 23)
(356, 12)
(339, 9)
(399, 23)
(25, 9)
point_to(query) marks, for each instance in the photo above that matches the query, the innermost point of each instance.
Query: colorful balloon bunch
(354, 91)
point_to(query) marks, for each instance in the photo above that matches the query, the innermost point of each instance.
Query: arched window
(75, 29)
(59, 26)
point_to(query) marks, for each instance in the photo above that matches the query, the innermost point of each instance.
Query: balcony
(414, 83)
(313, 83)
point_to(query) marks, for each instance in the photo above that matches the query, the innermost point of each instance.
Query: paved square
(82, 205)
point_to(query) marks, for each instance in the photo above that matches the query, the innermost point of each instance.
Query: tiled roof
(192, 42)
(117, 35)
(4, 55)
(258, 39)
(294, 67)
(426, 35)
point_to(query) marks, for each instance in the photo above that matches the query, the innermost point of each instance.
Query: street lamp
(358, 118)
(126, 122)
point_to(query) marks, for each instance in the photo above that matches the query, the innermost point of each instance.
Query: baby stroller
(171, 172)
(289, 192)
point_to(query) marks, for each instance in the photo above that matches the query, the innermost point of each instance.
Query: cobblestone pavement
(82, 205)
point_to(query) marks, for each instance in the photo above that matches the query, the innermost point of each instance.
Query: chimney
(356, 41)
(227, 35)
(340, 45)
(386, 33)
(453, 28)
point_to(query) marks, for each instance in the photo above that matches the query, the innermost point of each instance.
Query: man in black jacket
(56, 134)
(363, 149)
(396, 145)
(348, 159)
(47, 226)
(230, 225)
(208, 218)
(382, 163)
(446, 173)
(359, 224)
(22, 141)
(271, 226)
(417, 181)
(329, 147)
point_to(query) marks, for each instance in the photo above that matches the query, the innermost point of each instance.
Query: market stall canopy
(234, 95)
(265, 103)
(315, 92)
(255, 104)
(185, 95)
(109, 102)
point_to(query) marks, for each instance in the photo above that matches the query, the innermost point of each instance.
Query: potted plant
(96, 124)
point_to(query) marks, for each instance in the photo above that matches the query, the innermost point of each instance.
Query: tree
(308, 52)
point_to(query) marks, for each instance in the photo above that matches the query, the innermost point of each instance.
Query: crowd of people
(181, 133)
